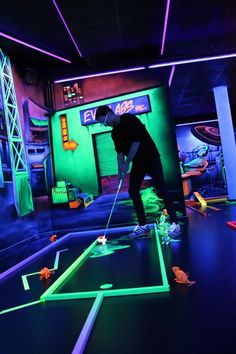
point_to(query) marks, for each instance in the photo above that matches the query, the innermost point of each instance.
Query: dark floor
(22, 236)
(199, 319)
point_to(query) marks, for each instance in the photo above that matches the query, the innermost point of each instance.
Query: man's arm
(123, 166)
(120, 161)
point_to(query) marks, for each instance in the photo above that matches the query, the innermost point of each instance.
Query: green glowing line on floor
(65, 275)
(108, 293)
(56, 263)
(49, 295)
(20, 307)
(106, 250)
(25, 280)
(162, 264)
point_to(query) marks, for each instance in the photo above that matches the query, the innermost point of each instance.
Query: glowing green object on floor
(151, 202)
(106, 250)
(106, 286)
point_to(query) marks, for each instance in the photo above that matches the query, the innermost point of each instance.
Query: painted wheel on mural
(207, 134)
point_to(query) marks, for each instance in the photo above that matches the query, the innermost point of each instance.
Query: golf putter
(113, 206)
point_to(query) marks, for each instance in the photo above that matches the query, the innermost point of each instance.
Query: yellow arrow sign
(67, 144)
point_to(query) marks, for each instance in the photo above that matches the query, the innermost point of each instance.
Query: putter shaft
(113, 206)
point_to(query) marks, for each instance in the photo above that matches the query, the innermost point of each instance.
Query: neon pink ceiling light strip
(165, 26)
(101, 74)
(171, 75)
(190, 61)
(67, 28)
(34, 47)
(153, 66)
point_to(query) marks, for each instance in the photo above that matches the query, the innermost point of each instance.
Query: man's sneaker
(174, 230)
(139, 231)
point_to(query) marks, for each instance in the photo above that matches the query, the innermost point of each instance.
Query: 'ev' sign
(135, 105)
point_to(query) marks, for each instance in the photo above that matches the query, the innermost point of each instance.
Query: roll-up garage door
(106, 154)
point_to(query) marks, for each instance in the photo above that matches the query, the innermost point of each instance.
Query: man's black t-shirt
(129, 130)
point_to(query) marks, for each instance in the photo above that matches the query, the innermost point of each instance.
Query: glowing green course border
(98, 295)
(49, 295)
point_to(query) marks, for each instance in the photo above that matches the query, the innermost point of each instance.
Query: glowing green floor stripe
(56, 262)
(55, 267)
(20, 307)
(107, 293)
(49, 296)
(61, 279)
(162, 264)
(25, 280)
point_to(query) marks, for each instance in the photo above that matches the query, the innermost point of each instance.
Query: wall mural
(37, 145)
(201, 159)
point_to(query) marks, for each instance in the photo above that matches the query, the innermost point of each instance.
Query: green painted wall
(79, 166)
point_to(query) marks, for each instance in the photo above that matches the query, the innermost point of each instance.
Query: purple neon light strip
(67, 28)
(165, 26)
(84, 334)
(202, 121)
(153, 66)
(100, 74)
(190, 61)
(171, 75)
(25, 261)
(34, 47)
(16, 267)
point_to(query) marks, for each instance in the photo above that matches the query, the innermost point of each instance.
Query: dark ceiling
(116, 34)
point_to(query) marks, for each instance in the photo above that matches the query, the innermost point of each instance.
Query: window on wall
(72, 94)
